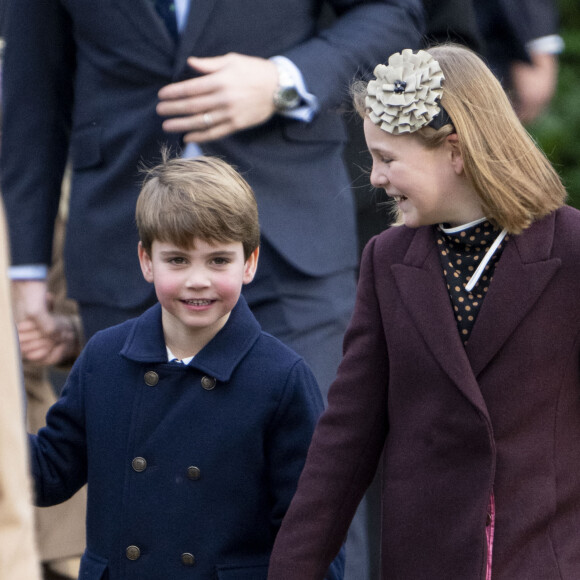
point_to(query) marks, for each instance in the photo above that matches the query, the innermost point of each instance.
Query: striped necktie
(166, 9)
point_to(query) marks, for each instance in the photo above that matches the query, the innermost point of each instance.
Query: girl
(461, 372)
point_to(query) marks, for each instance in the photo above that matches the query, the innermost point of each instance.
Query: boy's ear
(250, 266)
(456, 158)
(145, 263)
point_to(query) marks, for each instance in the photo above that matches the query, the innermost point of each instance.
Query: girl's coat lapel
(521, 275)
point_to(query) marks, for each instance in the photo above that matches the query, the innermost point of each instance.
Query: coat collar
(521, 275)
(145, 342)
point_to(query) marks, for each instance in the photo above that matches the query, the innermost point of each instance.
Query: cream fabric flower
(404, 97)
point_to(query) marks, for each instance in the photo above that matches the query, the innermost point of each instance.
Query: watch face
(287, 98)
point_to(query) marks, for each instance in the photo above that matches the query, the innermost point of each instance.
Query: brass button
(151, 378)
(187, 559)
(208, 383)
(133, 553)
(139, 464)
(193, 473)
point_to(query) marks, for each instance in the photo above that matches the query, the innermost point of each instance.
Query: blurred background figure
(521, 45)
(18, 553)
(60, 530)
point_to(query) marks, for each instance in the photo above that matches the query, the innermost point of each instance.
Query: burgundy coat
(453, 423)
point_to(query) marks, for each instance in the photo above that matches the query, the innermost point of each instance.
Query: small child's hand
(54, 345)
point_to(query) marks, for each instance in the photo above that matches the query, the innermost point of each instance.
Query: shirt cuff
(28, 272)
(551, 44)
(306, 111)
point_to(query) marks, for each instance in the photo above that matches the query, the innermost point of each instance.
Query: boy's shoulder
(274, 351)
(242, 342)
(114, 339)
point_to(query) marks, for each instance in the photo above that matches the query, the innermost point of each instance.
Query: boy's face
(197, 287)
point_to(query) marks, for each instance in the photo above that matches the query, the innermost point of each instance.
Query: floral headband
(405, 95)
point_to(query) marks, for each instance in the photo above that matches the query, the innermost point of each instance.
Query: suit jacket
(454, 424)
(81, 80)
(190, 469)
(452, 21)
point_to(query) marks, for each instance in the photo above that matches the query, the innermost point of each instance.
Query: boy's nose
(197, 278)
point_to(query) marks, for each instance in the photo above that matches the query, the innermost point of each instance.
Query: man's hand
(235, 92)
(30, 300)
(45, 338)
(534, 85)
(61, 344)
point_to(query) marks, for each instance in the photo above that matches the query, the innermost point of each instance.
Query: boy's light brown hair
(512, 177)
(202, 197)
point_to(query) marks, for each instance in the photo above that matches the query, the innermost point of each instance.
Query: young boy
(189, 423)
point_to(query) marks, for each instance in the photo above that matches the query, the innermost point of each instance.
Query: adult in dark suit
(521, 46)
(81, 83)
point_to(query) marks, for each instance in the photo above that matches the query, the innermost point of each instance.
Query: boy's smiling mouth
(193, 302)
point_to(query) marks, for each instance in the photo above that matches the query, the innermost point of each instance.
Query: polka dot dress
(461, 250)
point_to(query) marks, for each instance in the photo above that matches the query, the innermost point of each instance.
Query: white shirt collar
(171, 357)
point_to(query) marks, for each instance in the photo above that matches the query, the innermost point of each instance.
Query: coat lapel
(521, 275)
(199, 12)
(423, 292)
(144, 17)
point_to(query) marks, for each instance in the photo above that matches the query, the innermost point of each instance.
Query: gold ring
(207, 119)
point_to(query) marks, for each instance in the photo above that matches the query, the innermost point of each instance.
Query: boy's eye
(220, 261)
(177, 260)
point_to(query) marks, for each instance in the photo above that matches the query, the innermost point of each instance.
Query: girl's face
(428, 185)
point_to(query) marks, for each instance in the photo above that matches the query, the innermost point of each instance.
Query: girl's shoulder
(393, 245)
(567, 225)
(392, 238)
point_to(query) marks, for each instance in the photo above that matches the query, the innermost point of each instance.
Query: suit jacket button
(193, 473)
(151, 378)
(208, 383)
(187, 559)
(133, 553)
(139, 464)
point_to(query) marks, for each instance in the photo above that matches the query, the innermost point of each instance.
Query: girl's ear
(456, 158)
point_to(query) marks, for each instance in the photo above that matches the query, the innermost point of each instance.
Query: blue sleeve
(58, 451)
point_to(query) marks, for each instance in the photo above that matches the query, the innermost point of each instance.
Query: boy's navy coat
(190, 469)
(452, 423)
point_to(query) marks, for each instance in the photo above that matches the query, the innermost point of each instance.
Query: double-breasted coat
(453, 423)
(190, 468)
